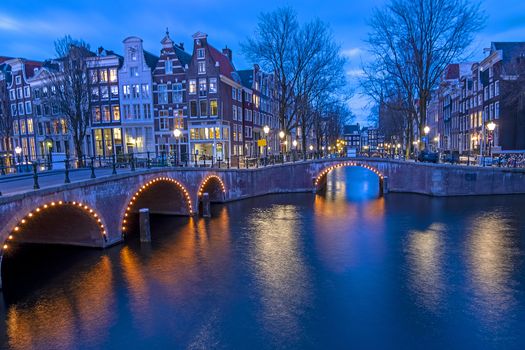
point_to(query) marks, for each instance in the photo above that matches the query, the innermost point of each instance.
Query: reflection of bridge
(94, 212)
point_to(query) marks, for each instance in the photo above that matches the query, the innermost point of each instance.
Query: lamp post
(311, 151)
(294, 144)
(491, 126)
(18, 151)
(177, 134)
(426, 130)
(266, 130)
(281, 137)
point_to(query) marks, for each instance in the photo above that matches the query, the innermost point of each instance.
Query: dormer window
(200, 54)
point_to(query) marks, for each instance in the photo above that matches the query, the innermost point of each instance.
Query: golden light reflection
(425, 251)
(492, 255)
(80, 313)
(279, 266)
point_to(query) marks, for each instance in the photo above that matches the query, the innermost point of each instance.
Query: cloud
(355, 73)
(352, 52)
(8, 23)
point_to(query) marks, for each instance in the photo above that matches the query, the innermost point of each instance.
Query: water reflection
(425, 251)
(492, 257)
(79, 312)
(280, 271)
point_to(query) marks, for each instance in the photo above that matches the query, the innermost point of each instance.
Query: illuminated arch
(144, 187)
(24, 222)
(207, 180)
(325, 171)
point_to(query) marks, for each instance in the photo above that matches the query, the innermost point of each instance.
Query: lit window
(213, 85)
(213, 108)
(202, 87)
(193, 86)
(113, 75)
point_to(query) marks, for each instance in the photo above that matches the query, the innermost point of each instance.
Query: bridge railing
(21, 173)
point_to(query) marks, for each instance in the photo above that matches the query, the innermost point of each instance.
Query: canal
(344, 269)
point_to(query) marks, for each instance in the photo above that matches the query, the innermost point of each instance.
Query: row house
(215, 102)
(5, 115)
(21, 105)
(135, 83)
(106, 126)
(170, 97)
(52, 134)
(258, 108)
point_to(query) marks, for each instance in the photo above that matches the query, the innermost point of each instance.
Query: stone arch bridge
(95, 212)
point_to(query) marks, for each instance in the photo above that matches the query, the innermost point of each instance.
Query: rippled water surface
(344, 269)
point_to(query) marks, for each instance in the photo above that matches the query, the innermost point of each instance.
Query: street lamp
(266, 130)
(426, 130)
(491, 127)
(177, 134)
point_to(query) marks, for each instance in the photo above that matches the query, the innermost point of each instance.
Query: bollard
(36, 186)
(228, 163)
(66, 165)
(145, 231)
(206, 210)
(132, 162)
(93, 168)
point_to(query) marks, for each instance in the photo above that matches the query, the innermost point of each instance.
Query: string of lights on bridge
(208, 179)
(148, 184)
(339, 165)
(39, 210)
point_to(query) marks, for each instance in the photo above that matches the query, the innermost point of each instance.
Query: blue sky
(28, 28)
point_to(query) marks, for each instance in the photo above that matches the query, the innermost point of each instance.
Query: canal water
(340, 270)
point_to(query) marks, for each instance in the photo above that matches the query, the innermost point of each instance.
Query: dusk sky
(28, 28)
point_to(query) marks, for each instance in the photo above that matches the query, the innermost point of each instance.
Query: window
(96, 115)
(126, 111)
(20, 108)
(239, 114)
(496, 88)
(168, 67)
(23, 126)
(19, 92)
(162, 94)
(200, 54)
(193, 108)
(145, 91)
(202, 87)
(234, 93)
(106, 115)
(135, 90)
(201, 67)
(114, 91)
(234, 112)
(213, 85)
(193, 86)
(94, 93)
(126, 91)
(213, 108)
(28, 107)
(177, 93)
(12, 95)
(104, 93)
(113, 75)
(136, 111)
(147, 111)
(133, 72)
(132, 54)
(496, 110)
(27, 91)
(18, 80)
(94, 76)
(491, 90)
(103, 76)
(163, 121)
(203, 108)
(30, 129)
(116, 113)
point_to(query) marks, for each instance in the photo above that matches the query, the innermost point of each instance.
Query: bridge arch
(214, 186)
(59, 222)
(320, 179)
(162, 195)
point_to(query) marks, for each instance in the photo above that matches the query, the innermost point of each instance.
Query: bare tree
(71, 88)
(412, 41)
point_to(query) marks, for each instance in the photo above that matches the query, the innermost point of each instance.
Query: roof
(151, 59)
(451, 72)
(182, 55)
(225, 65)
(351, 129)
(246, 76)
(509, 49)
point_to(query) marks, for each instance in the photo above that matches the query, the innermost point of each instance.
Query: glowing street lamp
(294, 143)
(177, 133)
(491, 126)
(281, 134)
(266, 130)
(426, 130)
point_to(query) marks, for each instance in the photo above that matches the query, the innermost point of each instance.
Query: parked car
(426, 156)
(449, 157)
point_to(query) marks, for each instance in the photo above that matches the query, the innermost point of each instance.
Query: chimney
(227, 52)
(181, 45)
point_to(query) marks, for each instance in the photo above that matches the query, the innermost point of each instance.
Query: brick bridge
(95, 212)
